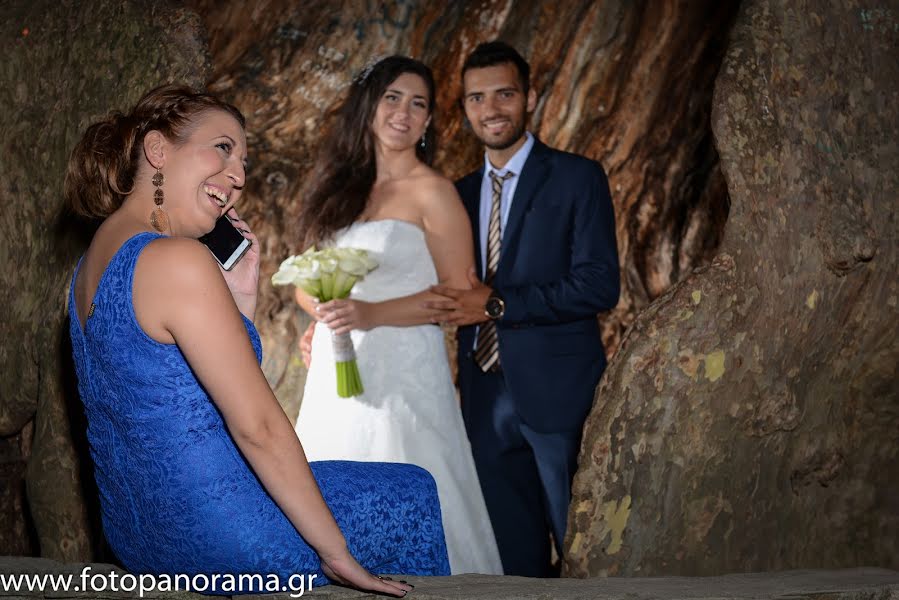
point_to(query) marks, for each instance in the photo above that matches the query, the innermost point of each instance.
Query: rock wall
(749, 419)
(64, 64)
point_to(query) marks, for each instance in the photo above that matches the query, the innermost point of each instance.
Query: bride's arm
(448, 236)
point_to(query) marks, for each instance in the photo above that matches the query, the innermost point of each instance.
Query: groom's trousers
(525, 474)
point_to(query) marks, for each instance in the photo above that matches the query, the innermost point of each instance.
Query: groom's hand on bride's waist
(460, 307)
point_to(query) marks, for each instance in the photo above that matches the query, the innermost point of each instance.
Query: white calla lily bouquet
(330, 274)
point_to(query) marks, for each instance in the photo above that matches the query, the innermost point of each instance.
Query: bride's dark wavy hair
(345, 171)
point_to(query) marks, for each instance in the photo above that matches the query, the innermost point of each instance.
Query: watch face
(494, 307)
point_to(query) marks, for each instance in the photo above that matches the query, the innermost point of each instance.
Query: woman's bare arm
(179, 291)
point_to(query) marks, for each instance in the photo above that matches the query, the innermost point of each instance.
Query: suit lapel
(470, 190)
(533, 175)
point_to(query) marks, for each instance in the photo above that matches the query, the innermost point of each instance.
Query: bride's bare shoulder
(429, 185)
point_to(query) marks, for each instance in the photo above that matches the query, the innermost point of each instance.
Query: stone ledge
(845, 584)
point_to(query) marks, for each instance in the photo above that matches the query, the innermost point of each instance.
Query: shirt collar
(516, 163)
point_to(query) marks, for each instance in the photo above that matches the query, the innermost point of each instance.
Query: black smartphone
(226, 243)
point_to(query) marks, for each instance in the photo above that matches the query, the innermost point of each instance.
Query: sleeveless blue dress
(176, 494)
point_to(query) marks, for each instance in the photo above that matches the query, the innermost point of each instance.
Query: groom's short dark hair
(494, 53)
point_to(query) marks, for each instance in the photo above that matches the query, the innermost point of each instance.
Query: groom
(530, 353)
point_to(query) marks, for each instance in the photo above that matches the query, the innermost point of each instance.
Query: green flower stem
(343, 284)
(349, 383)
(327, 287)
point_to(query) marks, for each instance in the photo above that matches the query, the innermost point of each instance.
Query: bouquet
(330, 274)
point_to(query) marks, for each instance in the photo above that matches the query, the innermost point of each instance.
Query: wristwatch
(495, 307)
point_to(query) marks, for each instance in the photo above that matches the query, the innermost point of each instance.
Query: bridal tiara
(369, 67)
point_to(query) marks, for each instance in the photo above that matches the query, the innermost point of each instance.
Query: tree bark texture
(64, 65)
(626, 83)
(749, 420)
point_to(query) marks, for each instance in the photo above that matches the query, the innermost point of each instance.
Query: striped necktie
(487, 353)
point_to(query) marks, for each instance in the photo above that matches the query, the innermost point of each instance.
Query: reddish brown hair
(104, 163)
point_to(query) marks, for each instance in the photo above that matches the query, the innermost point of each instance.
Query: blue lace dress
(176, 494)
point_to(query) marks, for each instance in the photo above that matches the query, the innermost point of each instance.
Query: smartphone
(226, 243)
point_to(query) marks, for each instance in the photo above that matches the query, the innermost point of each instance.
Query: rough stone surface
(64, 64)
(16, 536)
(749, 419)
(849, 584)
(626, 83)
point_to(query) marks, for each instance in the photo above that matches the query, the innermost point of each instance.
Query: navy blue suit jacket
(558, 268)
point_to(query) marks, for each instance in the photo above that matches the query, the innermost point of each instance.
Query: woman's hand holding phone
(243, 278)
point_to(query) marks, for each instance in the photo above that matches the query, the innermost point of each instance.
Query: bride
(375, 191)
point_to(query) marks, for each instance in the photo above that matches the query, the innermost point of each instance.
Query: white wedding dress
(408, 412)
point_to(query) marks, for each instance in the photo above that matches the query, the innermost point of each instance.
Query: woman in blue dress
(198, 468)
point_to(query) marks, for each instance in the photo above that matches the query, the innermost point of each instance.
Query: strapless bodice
(404, 262)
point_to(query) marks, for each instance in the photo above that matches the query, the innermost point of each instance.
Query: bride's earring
(158, 219)
(424, 134)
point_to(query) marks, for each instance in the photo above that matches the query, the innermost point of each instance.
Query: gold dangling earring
(158, 219)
